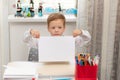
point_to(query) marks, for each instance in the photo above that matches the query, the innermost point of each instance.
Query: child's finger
(37, 36)
(74, 34)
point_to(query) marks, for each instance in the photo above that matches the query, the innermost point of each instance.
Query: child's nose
(56, 29)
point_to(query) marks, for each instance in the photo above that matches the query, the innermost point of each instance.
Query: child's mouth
(56, 34)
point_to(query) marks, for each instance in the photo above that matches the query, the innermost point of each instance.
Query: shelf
(36, 18)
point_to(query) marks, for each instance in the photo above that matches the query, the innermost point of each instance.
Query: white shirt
(80, 40)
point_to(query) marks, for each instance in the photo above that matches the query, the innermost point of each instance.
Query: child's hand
(77, 32)
(35, 33)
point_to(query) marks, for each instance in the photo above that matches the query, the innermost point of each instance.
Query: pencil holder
(86, 72)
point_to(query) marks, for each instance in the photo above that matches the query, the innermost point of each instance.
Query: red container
(86, 72)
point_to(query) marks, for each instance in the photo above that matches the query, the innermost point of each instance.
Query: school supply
(20, 70)
(86, 67)
(85, 60)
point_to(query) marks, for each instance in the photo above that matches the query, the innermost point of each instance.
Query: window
(49, 6)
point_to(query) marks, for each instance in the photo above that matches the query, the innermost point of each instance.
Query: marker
(81, 63)
(76, 59)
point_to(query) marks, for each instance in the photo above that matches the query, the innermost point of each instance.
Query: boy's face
(56, 27)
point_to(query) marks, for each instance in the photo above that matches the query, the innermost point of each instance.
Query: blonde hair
(55, 16)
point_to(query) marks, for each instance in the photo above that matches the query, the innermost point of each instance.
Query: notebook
(56, 49)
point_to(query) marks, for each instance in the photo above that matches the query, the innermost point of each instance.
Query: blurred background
(100, 17)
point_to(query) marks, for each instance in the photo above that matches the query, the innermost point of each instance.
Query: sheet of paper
(56, 49)
(20, 70)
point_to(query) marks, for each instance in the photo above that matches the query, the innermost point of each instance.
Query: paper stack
(20, 70)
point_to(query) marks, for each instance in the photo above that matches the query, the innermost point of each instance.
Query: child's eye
(59, 27)
(53, 27)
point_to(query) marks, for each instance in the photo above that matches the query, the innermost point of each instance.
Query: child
(56, 27)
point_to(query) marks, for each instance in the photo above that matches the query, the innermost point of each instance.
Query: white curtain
(105, 30)
(115, 72)
(90, 17)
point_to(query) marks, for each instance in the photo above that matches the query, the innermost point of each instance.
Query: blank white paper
(56, 49)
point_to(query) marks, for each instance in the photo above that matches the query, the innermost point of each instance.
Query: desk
(53, 70)
(47, 71)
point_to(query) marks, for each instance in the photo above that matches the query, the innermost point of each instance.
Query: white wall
(5, 31)
(0, 39)
(11, 10)
(1, 48)
(4, 42)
